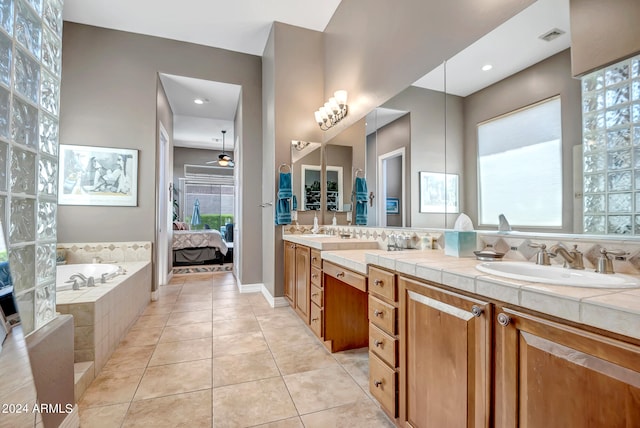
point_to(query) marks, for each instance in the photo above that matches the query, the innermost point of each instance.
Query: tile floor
(205, 355)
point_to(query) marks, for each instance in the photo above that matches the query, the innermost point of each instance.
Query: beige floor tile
(234, 303)
(232, 369)
(304, 358)
(363, 414)
(103, 417)
(129, 357)
(183, 318)
(226, 314)
(279, 320)
(193, 298)
(197, 289)
(142, 337)
(359, 371)
(176, 378)
(352, 355)
(235, 326)
(192, 306)
(322, 389)
(252, 403)
(157, 308)
(111, 388)
(182, 410)
(176, 333)
(285, 423)
(279, 339)
(177, 352)
(239, 344)
(147, 321)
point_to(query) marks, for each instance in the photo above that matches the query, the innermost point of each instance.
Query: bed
(198, 247)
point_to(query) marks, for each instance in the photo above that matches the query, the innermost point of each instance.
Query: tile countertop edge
(582, 310)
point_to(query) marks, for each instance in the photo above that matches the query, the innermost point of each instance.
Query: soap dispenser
(315, 223)
(334, 222)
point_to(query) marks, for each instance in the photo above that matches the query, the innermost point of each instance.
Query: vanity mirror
(7, 304)
(306, 175)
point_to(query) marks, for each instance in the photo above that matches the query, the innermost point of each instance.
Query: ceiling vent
(552, 34)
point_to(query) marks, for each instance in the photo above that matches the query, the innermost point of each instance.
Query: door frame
(382, 185)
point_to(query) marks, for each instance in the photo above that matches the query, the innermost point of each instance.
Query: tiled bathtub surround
(103, 315)
(117, 252)
(515, 245)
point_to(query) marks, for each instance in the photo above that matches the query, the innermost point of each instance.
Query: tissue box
(459, 243)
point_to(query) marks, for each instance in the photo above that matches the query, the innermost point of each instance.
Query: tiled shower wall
(30, 68)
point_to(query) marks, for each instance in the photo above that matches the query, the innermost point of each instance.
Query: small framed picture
(98, 176)
(438, 192)
(393, 206)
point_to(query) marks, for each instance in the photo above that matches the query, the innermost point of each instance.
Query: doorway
(391, 207)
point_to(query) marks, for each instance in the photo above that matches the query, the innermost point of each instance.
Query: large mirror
(306, 175)
(8, 312)
(531, 63)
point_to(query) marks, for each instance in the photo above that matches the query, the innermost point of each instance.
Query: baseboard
(154, 296)
(274, 302)
(72, 420)
(250, 288)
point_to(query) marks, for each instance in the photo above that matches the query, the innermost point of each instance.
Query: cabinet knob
(340, 274)
(378, 282)
(503, 320)
(377, 313)
(377, 343)
(315, 275)
(314, 258)
(377, 383)
(476, 311)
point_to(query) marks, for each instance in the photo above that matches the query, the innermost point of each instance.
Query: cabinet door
(290, 272)
(303, 281)
(445, 358)
(549, 374)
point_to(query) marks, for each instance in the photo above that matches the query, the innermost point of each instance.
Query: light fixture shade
(341, 97)
(318, 116)
(223, 162)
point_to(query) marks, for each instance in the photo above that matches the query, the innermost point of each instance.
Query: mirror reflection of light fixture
(333, 110)
(223, 158)
(299, 145)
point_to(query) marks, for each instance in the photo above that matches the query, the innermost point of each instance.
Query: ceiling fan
(223, 158)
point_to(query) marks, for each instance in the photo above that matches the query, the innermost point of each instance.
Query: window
(520, 167)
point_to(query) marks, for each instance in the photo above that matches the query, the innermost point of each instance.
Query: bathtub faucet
(79, 280)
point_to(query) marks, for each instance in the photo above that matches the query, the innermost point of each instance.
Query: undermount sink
(556, 275)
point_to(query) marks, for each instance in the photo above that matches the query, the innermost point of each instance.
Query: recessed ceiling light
(200, 101)
(487, 67)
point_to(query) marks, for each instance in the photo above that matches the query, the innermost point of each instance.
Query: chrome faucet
(605, 264)
(572, 258)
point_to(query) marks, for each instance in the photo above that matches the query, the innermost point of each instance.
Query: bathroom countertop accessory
(488, 255)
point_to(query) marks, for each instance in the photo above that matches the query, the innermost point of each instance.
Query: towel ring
(359, 170)
(284, 165)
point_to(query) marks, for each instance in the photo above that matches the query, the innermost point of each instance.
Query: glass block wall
(611, 149)
(30, 67)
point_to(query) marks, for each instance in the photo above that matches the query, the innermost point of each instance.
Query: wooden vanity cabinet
(316, 305)
(551, 374)
(383, 339)
(445, 357)
(297, 278)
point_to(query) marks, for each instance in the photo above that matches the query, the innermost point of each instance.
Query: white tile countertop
(330, 242)
(615, 310)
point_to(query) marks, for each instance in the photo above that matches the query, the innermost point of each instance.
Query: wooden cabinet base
(345, 315)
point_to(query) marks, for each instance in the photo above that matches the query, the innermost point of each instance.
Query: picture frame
(393, 206)
(103, 176)
(439, 192)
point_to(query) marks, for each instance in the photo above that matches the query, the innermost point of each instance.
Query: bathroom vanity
(450, 345)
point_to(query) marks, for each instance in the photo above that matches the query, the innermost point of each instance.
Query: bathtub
(96, 270)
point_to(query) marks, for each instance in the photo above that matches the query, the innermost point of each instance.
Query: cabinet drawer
(316, 276)
(383, 284)
(382, 315)
(382, 384)
(383, 345)
(353, 279)
(317, 320)
(316, 296)
(315, 259)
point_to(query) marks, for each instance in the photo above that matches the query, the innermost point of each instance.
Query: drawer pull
(315, 259)
(378, 343)
(377, 383)
(476, 311)
(378, 282)
(314, 319)
(503, 320)
(314, 294)
(340, 274)
(377, 313)
(314, 276)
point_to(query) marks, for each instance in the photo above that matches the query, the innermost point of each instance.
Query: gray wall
(362, 41)
(108, 98)
(543, 80)
(293, 82)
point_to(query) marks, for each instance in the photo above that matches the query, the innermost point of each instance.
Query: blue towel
(283, 213)
(361, 213)
(362, 194)
(294, 203)
(284, 186)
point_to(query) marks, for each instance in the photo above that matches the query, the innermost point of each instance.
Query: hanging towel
(284, 186)
(294, 203)
(283, 213)
(361, 200)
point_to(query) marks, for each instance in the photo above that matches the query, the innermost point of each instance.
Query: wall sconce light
(299, 145)
(333, 110)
